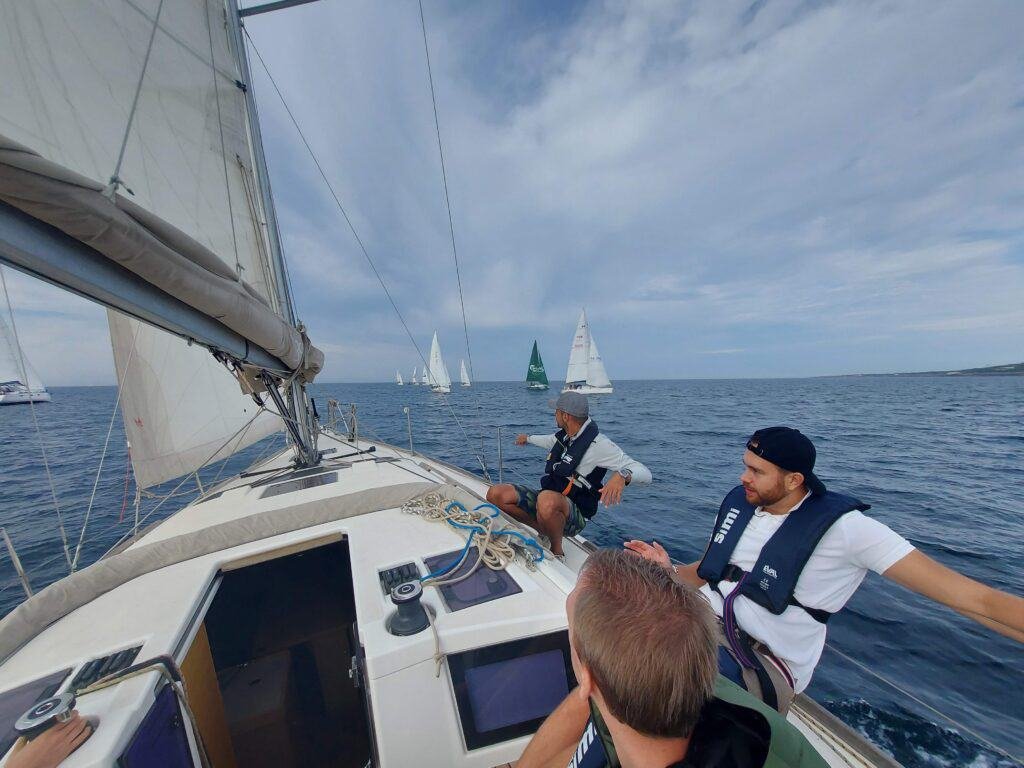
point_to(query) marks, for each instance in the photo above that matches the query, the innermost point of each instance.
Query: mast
(305, 439)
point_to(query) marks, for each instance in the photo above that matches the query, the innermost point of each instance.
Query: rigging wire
(181, 482)
(220, 126)
(106, 445)
(115, 178)
(35, 419)
(359, 241)
(447, 200)
(926, 705)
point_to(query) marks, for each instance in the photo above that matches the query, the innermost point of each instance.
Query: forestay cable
(359, 241)
(35, 420)
(447, 200)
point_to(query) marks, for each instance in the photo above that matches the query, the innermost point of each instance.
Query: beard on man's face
(767, 498)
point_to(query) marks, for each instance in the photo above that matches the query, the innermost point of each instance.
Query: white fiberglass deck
(415, 719)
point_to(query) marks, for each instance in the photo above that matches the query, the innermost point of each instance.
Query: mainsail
(398, 378)
(463, 374)
(536, 376)
(439, 378)
(131, 136)
(580, 352)
(14, 365)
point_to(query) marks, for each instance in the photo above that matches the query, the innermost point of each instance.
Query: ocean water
(940, 459)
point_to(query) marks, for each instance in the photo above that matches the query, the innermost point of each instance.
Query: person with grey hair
(572, 486)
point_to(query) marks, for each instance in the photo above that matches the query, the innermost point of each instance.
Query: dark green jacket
(736, 730)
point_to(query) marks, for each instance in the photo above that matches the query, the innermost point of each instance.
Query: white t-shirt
(854, 545)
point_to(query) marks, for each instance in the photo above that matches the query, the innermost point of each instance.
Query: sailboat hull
(587, 389)
(536, 386)
(24, 398)
(444, 390)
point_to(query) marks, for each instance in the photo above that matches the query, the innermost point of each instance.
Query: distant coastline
(1013, 369)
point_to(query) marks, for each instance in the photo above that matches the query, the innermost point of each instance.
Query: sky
(730, 189)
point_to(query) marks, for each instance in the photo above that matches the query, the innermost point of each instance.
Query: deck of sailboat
(163, 611)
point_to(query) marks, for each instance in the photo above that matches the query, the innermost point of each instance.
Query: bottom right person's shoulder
(736, 730)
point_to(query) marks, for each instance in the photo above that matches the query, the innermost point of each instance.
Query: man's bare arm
(996, 610)
(553, 744)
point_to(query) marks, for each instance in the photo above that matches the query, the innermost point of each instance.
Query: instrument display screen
(505, 691)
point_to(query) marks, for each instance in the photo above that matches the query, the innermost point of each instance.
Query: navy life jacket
(560, 471)
(782, 559)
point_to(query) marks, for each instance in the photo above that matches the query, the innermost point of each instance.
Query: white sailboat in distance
(19, 382)
(440, 381)
(586, 373)
(463, 375)
(398, 378)
(414, 380)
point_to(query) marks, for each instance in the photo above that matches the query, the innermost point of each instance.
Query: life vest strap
(733, 572)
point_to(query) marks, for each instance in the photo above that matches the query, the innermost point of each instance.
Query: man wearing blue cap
(579, 457)
(785, 554)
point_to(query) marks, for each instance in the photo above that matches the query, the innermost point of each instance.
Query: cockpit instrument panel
(505, 691)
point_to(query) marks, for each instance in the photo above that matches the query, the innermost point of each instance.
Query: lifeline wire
(358, 239)
(35, 420)
(447, 201)
(926, 705)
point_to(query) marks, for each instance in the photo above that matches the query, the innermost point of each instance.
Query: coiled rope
(495, 548)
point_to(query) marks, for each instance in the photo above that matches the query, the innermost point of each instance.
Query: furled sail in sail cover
(193, 222)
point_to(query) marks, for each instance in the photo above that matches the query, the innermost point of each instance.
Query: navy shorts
(527, 502)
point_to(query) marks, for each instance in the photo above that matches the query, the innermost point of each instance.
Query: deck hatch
(302, 484)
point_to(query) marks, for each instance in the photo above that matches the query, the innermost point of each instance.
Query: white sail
(580, 352)
(398, 378)
(439, 378)
(187, 160)
(463, 374)
(596, 375)
(414, 379)
(15, 366)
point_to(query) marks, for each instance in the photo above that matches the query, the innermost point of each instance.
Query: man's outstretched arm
(553, 744)
(996, 610)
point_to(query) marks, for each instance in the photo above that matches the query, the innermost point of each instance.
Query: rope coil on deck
(496, 547)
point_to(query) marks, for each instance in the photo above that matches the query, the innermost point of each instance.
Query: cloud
(771, 177)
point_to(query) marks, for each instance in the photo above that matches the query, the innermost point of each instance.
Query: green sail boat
(536, 378)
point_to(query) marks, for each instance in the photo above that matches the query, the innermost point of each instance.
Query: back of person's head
(649, 643)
